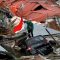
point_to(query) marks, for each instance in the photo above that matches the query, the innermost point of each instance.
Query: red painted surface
(18, 27)
(28, 12)
(39, 15)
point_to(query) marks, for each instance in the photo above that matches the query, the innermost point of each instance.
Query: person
(30, 28)
(26, 25)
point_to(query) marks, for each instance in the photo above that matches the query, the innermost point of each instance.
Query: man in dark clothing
(30, 28)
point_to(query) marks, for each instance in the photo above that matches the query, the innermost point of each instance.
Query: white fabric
(16, 19)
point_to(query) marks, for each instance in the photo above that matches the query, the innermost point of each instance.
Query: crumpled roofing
(26, 9)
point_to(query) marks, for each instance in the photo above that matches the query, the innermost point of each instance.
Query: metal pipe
(51, 35)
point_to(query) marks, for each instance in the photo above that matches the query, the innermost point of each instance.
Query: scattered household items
(35, 45)
(30, 28)
(20, 38)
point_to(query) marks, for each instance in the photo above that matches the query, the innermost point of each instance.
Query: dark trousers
(30, 33)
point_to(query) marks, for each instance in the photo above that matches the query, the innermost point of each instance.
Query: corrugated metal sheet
(40, 30)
